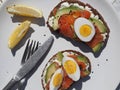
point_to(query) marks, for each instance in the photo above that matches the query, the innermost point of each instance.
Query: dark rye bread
(52, 59)
(94, 11)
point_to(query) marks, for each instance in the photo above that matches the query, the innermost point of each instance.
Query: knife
(30, 64)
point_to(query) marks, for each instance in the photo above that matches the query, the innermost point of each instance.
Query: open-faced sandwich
(81, 22)
(64, 69)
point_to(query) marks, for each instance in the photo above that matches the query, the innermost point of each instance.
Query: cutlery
(30, 64)
(118, 87)
(30, 48)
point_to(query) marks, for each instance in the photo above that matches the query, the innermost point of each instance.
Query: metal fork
(30, 48)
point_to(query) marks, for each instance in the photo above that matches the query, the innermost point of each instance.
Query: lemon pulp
(24, 10)
(18, 34)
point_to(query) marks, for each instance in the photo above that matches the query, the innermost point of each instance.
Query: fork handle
(10, 85)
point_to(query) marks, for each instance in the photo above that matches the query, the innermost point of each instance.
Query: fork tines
(30, 48)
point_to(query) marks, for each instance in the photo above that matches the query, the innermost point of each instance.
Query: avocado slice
(83, 59)
(50, 71)
(99, 25)
(59, 56)
(85, 73)
(97, 47)
(62, 11)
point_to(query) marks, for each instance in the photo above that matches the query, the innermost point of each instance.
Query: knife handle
(11, 83)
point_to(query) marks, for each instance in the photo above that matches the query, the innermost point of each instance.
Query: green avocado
(50, 71)
(59, 56)
(97, 47)
(86, 72)
(62, 11)
(83, 59)
(99, 25)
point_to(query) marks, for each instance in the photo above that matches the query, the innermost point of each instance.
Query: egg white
(82, 21)
(52, 87)
(76, 75)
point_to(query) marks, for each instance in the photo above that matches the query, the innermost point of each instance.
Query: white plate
(106, 74)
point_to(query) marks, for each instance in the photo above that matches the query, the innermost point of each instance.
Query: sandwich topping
(84, 29)
(63, 69)
(79, 22)
(72, 7)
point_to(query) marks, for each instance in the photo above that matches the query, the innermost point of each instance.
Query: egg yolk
(57, 79)
(85, 30)
(70, 67)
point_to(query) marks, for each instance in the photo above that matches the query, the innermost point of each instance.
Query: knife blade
(30, 64)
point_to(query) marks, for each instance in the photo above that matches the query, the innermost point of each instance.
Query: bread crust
(52, 59)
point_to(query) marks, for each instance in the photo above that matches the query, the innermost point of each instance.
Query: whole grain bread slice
(94, 11)
(53, 58)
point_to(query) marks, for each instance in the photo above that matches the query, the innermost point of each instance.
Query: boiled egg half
(71, 67)
(84, 29)
(56, 79)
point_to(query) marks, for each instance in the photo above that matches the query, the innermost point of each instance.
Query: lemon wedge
(24, 10)
(18, 34)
